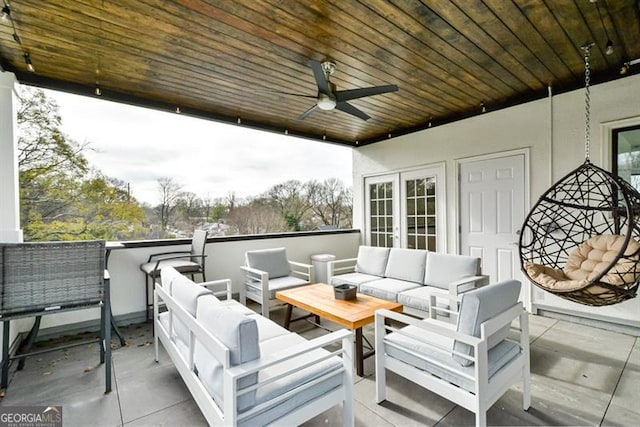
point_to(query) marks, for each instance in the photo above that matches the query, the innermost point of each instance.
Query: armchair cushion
(282, 283)
(239, 333)
(406, 264)
(372, 260)
(443, 269)
(480, 305)
(273, 261)
(438, 361)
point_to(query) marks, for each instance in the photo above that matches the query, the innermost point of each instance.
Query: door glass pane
(381, 214)
(421, 213)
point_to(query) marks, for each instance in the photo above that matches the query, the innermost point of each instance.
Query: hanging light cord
(587, 100)
(16, 38)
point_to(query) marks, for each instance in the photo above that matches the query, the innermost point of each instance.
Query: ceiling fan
(329, 98)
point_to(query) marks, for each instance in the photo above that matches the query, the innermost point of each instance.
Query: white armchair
(472, 363)
(268, 271)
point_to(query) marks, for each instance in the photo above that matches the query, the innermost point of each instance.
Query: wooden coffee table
(318, 299)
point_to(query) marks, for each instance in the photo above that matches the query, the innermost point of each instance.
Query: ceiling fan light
(326, 102)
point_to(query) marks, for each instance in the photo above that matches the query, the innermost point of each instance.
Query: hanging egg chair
(581, 239)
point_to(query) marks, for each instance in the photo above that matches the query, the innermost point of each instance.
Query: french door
(406, 209)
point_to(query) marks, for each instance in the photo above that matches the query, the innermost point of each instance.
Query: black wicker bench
(37, 279)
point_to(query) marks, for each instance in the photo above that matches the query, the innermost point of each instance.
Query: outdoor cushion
(480, 305)
(443, 269)
(387, 289)
(406, 264)
(267, 329)
(237, 332)
(418, 298)
(183, 265)
(372, 260)
(355, 279)
(283, 283)
(167, 275)
(438, 361)
(187, 294)
(303, 376)
(235, 305)
(273, 261)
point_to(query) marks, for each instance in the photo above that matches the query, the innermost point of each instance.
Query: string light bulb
(178, 110)
(609, 50)
(27, 60)
(484, 108)
(6, 13)
(98, 92)
(239, 121)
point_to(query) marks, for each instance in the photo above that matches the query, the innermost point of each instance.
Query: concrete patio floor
(580, 376)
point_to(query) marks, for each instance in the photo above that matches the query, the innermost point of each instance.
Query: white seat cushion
(418, 298)
(355, 279)
(443, 269)
(282, 283)
(303, 376)
(372, 260)
(438, 361)
(406, 264)
(387, 289)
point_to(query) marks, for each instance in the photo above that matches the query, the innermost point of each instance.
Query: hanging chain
(587, 100)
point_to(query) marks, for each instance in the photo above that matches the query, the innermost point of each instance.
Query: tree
(169, 196)
(292, 199)
(61, 198)
(331, 202)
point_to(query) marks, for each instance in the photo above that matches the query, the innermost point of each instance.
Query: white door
(492, 210)
(382, 211)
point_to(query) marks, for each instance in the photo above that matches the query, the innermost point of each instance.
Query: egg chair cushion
(587, 262)
(596, 254)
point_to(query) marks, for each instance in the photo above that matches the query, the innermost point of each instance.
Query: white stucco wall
(523, 126)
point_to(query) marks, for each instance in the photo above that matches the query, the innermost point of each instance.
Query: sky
(139, 146)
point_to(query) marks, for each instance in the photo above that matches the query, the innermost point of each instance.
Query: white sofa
(414, 278)
(243, 369)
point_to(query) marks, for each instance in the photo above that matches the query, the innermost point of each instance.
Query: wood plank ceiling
(231, 60)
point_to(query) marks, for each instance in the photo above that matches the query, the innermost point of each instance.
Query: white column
(9, 185)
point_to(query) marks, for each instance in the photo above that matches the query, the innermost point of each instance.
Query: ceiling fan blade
(321, 79)
(346, 95)
(308, 112)
(276, 92)
(348, 108)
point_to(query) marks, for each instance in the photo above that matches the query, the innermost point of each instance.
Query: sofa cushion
(387, 289)
(167, 275)
(284, 385)
(355, 279)
(418, 298)
(372, 260)
(406, 264)
(273, 261)
(438, 361)
(443, 269)
(237, 332)
(267, 329)
(480, 305)
(188, 295)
